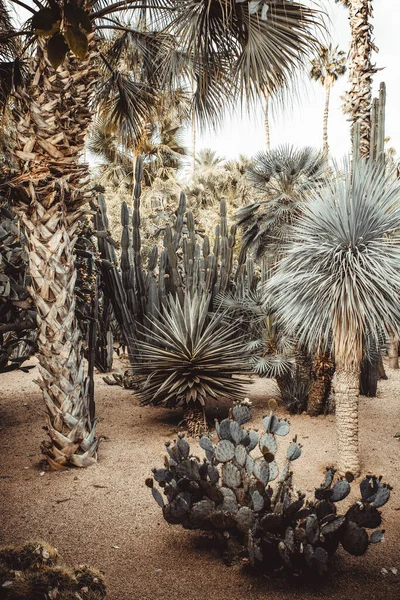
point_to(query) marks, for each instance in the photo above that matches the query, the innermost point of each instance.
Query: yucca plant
(340, 281)
(283, 179)
(190, 356)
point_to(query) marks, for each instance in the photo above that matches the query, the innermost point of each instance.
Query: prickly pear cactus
(242, 493)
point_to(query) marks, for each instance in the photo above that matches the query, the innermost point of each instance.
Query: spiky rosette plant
(33, 572)
(251, 506)
(190, 355)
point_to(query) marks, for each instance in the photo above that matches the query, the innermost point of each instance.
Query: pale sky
(301, 124)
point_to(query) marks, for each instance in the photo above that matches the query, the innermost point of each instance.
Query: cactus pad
(236, 431)
(225, 430)
(294, 451)
(224, 451)
(268, 441)
(231, 475)
(241, 455)
(354, 539)
(258, 501)
(340, 490)
(189, 468)
(261, 471)
(241, 413)
(381, 497)
(253, 440)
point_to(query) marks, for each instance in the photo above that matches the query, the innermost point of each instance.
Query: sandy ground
(106, 516)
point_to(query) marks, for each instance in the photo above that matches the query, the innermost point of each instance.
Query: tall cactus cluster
(33, 572)
(186, 264)
(239, 493)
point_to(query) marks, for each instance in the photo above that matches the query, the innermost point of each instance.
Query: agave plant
(283, 178)
(190, 356)
(251, 506)
(340, 282)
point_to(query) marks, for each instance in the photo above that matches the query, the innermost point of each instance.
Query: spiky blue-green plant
(340, 280)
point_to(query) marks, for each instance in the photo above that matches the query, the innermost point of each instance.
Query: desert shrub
(252, 507)
(32, 572)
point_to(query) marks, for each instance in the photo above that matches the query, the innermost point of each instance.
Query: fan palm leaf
(283, 179)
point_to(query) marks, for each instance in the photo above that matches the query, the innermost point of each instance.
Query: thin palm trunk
(267, 128)
(361, 70)
(325, 121)
(393, 352)
(323, 369)
(194, 132)
(346, 395)
(52, 118)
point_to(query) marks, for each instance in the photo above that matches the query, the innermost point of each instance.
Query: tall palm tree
(358, 99)
(340, 282)
(327, 67)
(76, 55)
(283, 179)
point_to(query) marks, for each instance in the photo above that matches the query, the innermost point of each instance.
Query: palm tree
(77, 56)
(340, 282)
(358, 99)
(326, 68)
(206, 186)
(283, 179)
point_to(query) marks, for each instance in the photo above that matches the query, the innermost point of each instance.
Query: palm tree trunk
(361, 70)
(267, 129)
(346, 394)
(323, 369)
(194, 132)
(325, 121)
(52, 119)
(393, 352)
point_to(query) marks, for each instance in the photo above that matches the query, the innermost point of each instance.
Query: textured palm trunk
(323, 369)
(346, 394)
(325, 145)
(49, 195)
(393, 352)
(361, 70)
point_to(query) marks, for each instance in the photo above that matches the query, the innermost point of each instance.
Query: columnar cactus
(238, 492)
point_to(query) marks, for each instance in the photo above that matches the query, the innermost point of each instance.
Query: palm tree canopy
(340, 278)
(329, 65)
(283, 179)
(229, 48)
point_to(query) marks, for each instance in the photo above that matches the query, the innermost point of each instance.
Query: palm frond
(283, 180)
